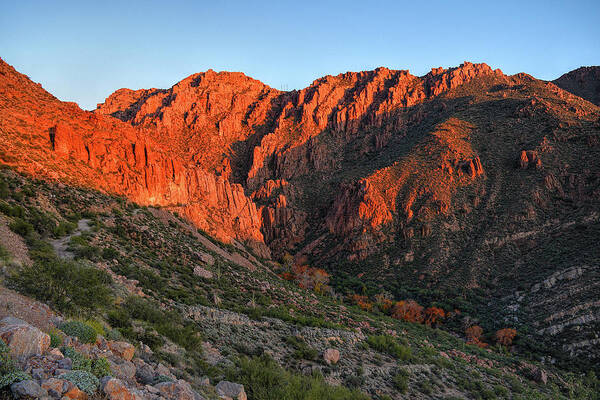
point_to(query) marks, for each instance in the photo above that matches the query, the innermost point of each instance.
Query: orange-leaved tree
(473, 334)
(362, 301)
(505, 336)
(433, 315)
(409, 311)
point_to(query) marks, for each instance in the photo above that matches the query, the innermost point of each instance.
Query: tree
(362, 301)
(505, 336)
(473, 334)
(433, 315)
(409, 311)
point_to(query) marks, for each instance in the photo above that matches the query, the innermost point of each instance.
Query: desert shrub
(12, 211)
(13, 377)
(108, 253)
(7, 365)
(264, 379)
(80, 246)
(63, 228)
(56, 337)
(42, 222)
(302, 351)
(4, 189)
(9, 373)
(68, 286)
(80, 361)
(84, 380)
(400, 381)
(21, 227)
(96, 326)
(162, 378)
(387, 344)
(101, 367)
(84, 332)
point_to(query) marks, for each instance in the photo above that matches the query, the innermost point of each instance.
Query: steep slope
(450, 180)
(463, 181)
(48, 138)
(583, 82)
(197, 316)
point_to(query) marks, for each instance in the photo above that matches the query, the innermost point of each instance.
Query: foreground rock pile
(49, 373)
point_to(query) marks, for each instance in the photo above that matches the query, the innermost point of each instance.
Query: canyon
(462, 178)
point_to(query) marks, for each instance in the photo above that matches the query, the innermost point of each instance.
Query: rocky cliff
(49, 138)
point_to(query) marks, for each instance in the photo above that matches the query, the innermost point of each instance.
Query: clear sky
(84, 50)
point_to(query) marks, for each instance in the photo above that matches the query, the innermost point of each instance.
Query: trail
(61, 245)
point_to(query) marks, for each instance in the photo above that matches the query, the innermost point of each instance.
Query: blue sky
(83, 52)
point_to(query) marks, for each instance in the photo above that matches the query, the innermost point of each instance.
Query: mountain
(583, 82)
(465, 190)
(463, 178)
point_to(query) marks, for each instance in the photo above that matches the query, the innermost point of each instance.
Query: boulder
(179, 390)
(55, 387)
(115, 389)
(231, 390)
(23, 339)
(122, 369)
(28, 389)
(202, 273)
(122, 349)
(74, 393)
(331, 356)
(144, 372)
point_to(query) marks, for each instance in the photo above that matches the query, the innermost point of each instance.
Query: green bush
(56, 338)
(400, 381)
(66, 285)
(4, 190)
(81, 330)
(302, 351)
(80, 361)
(388, 344)
(101, 367)
(9, 373)
(13, 377)
(84, 380)
(21, 227)
(63, 228)
(264, 379)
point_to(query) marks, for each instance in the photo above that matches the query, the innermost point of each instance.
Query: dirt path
(60, 245)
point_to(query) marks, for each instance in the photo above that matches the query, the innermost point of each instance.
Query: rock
(231, 390)
(23, 339)
(75, 393)
(203, 273)
(144, 373)
(331, 356)
(38, 374)
(539, 375)
(162, 370)
(122, 369)
(529, 158)
(114, 389)
(55, 387)
(179, 390)
(65, 363)
(28, 389)
(56, 353)
(122, 349)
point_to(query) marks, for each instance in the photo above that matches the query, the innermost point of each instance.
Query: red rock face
(49, 138)
(242, 160)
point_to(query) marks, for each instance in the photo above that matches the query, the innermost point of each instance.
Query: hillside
(583, 82)
(463, 178)
(200, 312)
(472, 192)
